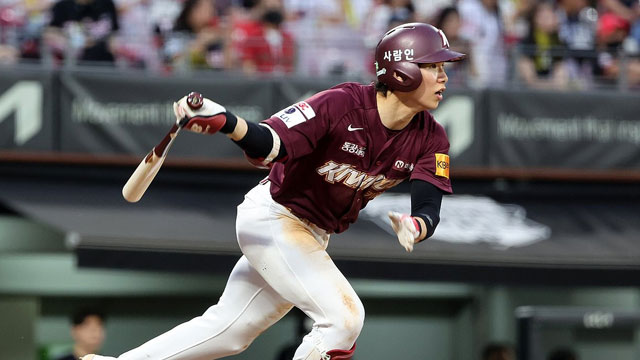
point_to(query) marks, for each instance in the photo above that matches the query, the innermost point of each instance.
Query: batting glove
(198, 114)
(406, 227)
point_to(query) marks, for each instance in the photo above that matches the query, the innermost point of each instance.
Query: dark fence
(108, 113)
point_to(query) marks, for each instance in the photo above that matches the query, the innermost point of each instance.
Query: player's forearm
(425, 207)
(425, 215)
(239, 129)
(259, 142)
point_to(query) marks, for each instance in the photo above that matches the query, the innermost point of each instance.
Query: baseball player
(329, 156)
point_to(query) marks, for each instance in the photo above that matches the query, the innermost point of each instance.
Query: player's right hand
(198, 114)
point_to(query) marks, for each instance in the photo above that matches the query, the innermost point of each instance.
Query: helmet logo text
(398, 53)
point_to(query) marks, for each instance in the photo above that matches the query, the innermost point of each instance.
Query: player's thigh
(294, 263)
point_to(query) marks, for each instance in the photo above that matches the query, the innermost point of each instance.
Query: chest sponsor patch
(442, 165)
(295, 114)
(403, 165)
(354, 148)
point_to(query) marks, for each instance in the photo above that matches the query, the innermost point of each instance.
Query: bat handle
(165, 143)
(150, 165)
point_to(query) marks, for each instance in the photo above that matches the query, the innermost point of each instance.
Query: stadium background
(541, 250)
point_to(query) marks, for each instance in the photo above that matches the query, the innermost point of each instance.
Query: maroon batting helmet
(405, 46)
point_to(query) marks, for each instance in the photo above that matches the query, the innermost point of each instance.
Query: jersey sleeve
(433, 165)
(302, 125)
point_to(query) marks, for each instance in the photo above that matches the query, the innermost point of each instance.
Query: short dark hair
(382, 88)
(81, 315)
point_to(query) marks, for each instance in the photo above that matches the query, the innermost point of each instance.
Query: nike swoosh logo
(350, 128)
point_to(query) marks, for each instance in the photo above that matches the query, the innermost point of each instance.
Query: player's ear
(398, 76)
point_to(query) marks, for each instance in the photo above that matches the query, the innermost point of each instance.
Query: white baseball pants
(284, 265)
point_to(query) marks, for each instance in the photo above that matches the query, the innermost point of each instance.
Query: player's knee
(357, 321)
(349, 324)
(235, 338)
(238, 347)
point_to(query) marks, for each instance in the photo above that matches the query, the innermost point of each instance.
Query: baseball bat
(148, 168)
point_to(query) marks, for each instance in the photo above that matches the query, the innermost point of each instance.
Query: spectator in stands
(21, 26)
(402, 11)
(244, 18)
(619, 14)
(541, 64)
(498, 351)
(163, 14)
(515, 13)
(83, 30)
(223, 7)
(136, 43)
(448, 20)
(265, 47)
(36, 18)
(613, 36)
(577, 31)
(562, 354)
(10, 25)
(635, 31)
(376, 23)
(428, 11)
(328, 36)
(482, 26)
(197, 40)
(87, 332)
(8, 54)
(382, 16)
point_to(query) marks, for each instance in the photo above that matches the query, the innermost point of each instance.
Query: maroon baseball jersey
(340, 155)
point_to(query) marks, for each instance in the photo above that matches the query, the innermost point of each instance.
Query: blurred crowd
(547, 44)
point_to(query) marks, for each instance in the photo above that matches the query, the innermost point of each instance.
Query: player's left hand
(198, 114)
(406, 228)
